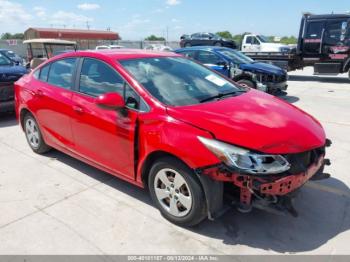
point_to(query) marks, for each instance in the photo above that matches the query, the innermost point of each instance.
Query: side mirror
(111, 101)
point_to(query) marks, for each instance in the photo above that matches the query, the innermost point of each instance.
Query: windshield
(178, 81)
(263, 38)
(236, 56)
(4, 60)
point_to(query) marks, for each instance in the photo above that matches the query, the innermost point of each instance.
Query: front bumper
(273, 87)
(272, 193)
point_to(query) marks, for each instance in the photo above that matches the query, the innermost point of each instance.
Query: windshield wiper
(221, 95)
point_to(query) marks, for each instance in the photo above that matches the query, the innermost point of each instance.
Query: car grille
(264, 78)
(6, 91)
(300, 162)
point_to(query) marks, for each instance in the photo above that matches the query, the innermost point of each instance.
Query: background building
(86, 39)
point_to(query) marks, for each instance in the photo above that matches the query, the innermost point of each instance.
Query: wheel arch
(213, 190)
(23, 112)
(151, 159)
(346, 67)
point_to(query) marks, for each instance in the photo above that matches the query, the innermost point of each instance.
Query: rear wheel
(188, 45)
(176, 193)
(217, 44)
(34, 136)
(246, 83)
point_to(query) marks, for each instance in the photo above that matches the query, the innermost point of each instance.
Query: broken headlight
(245, 160)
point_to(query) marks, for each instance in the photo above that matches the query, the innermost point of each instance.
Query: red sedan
(165, 122)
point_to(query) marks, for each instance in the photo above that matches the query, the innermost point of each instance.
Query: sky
(137, 19)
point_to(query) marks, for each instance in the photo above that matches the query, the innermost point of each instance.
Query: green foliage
(7, 35)
(225, 34)
(289, 40)
(154, 38)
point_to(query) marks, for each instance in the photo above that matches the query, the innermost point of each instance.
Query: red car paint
(74, 124)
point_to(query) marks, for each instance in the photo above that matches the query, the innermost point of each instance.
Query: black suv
(206, 39)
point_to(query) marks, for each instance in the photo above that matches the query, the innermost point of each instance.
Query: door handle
(78, 109)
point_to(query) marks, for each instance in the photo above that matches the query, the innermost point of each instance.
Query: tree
(154, 38)
(225, 34)
(7, 35)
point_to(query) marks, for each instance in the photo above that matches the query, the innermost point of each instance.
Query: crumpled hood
(257, 121)
(262, 68)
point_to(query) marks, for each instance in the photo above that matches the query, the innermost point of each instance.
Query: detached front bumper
(269, 192)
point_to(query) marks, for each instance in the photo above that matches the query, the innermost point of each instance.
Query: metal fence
(18, 47)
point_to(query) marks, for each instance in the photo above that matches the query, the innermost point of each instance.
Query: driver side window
(98, 78)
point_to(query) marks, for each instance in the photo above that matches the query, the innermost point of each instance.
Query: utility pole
(167, 33)
(87, 25)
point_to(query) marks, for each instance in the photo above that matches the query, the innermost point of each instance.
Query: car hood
(262, 68)
(257, 121)
(13, 70)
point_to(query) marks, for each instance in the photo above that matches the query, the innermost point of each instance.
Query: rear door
(105, 137)
(313, 38)
(53, 100)
(196, 39)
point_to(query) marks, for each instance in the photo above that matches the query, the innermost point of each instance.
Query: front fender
(169, 135)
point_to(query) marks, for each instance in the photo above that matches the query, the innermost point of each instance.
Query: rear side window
(61, 73)
(98, 78)
(44, 72)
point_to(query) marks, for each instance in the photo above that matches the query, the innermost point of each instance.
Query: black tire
(197, 212)
(217, 44)
(41, 146)
(187, 45)
(246, 83)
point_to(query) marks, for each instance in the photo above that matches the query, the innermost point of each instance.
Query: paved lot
(54, 204)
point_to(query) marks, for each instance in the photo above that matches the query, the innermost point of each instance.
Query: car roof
(121, 54)
(203, 48)
(328, 16)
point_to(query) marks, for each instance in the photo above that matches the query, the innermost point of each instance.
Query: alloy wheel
(32, 133)
(173, 192)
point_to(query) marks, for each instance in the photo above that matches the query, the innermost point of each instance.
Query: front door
(313, 38)
(103, 136)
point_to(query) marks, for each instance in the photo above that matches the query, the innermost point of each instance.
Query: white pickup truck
(259, 43)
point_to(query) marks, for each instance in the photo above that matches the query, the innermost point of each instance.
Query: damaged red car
(169, 124)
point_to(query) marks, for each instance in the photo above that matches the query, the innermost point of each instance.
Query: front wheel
(176, 192)
(187, 45)
(246, 83)
(217, 44)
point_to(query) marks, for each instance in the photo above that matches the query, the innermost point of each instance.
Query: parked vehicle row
(10, 72)
(167, 123)
(240, 68)
(323, 42)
